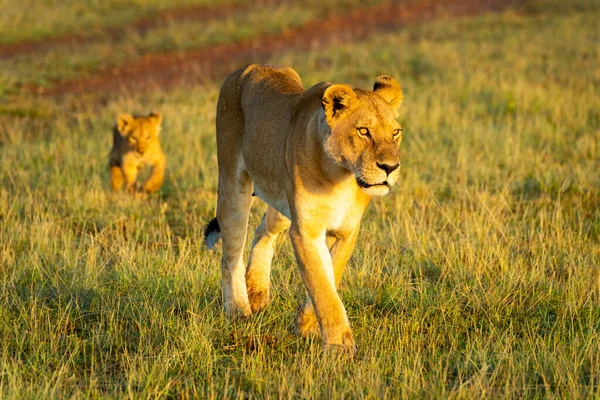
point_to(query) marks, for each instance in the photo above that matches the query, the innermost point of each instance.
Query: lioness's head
(364, 135)
(139, 131)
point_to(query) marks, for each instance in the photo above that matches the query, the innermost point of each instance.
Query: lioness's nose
(388, 168)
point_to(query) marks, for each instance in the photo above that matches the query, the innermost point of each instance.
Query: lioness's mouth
(366, 185)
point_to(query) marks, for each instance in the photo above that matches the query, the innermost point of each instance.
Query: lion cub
(135, 145)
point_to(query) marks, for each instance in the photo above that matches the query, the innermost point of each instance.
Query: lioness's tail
(212, 233)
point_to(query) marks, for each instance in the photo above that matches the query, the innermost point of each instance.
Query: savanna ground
(477, 277)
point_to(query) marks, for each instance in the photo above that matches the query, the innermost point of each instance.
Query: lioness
(135, 145)
(315, 157)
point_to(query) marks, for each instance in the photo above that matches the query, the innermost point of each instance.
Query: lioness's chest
(343, 211)
(337, 210)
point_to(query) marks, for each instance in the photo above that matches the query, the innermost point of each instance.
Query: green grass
(477, 277)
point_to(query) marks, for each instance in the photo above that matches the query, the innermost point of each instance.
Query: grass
(477, 277)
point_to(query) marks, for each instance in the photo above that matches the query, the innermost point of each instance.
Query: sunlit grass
(477, 277)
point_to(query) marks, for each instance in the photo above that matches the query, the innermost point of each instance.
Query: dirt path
(214, 61)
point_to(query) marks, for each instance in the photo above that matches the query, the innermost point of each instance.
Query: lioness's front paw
(306, 323)
(347, 344)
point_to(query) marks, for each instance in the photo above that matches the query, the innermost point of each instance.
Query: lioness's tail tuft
(212, 233)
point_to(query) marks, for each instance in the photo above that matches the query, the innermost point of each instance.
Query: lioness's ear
(123, 122)
(389, 89)
(336, 99)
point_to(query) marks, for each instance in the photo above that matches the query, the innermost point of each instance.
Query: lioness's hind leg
(233, 208)
(258, 274)
(235, 195)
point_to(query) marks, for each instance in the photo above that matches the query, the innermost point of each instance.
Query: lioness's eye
(397, 133)
(363, 131)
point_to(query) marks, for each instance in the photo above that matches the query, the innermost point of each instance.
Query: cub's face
(364, 134)
(139, 131)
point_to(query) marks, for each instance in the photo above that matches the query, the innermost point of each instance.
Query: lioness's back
(256, 104)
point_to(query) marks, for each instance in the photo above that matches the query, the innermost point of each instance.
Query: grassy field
(477, 277)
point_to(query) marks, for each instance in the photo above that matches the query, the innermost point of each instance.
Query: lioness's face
(365, 135)
(139, 131)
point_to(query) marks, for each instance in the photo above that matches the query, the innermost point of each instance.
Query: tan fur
(136, 144)
(315, 157)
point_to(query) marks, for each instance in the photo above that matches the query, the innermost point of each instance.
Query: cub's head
(139, 131)
(364, 135)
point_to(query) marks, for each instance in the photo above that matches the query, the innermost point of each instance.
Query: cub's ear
(336, 100)
(389, 89)
(124, 122)
(156, 117)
